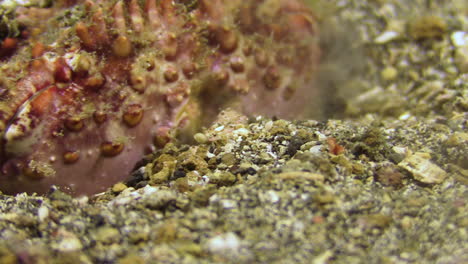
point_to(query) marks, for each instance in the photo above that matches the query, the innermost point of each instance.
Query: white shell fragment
(459, 38)
(228, 243)
(423, 169)
(386, 37)
(460, 41)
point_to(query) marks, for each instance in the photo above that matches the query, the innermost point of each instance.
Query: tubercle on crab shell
(118, 82)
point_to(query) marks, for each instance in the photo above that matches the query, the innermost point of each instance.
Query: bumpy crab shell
(83, 101)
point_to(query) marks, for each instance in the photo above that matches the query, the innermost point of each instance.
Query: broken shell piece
(423, 169)
(460, 41)
(459, 38)
(386, 37)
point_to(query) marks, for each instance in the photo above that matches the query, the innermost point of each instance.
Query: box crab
(83, 100)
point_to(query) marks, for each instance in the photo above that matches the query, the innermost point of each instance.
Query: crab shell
(119, 81)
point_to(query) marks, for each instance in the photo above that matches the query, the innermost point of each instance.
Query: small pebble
(43, 213)
(224, 243)
(107, 235)
(389, 73)
(200, 138)
(118, 187)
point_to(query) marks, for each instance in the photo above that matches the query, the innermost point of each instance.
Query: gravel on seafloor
(383, 182)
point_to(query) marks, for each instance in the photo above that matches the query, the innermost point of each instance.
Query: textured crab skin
(119, 82)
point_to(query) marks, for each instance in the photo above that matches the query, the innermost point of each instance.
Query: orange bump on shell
(300, 21)
(135, 15)
(111, 149)
(37, 50)
(170, 47)
(71, 157)
(99, 117)
(83, 33)
(119, 17)
(37, 64)
(98, 28)
(9, 43)
(74, 124)
(189, 69)
(167, 8)
(150, 65)
(82, 66)
(177, 94)
(162, 137)
(133, 115)
(95, 82)
(247, 49)
(122, 46)
(237, 64)
(152, 11)
(227, 39)
(221, 77)
(272, 78)
(33, 174)
(62, 73)
(240, 86)
(289, 92)
(261, 58)
(138, 83)
(171, 74)
(284, 56)
(42, 102)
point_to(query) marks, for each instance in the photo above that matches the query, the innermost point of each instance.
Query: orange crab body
(86, 99)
